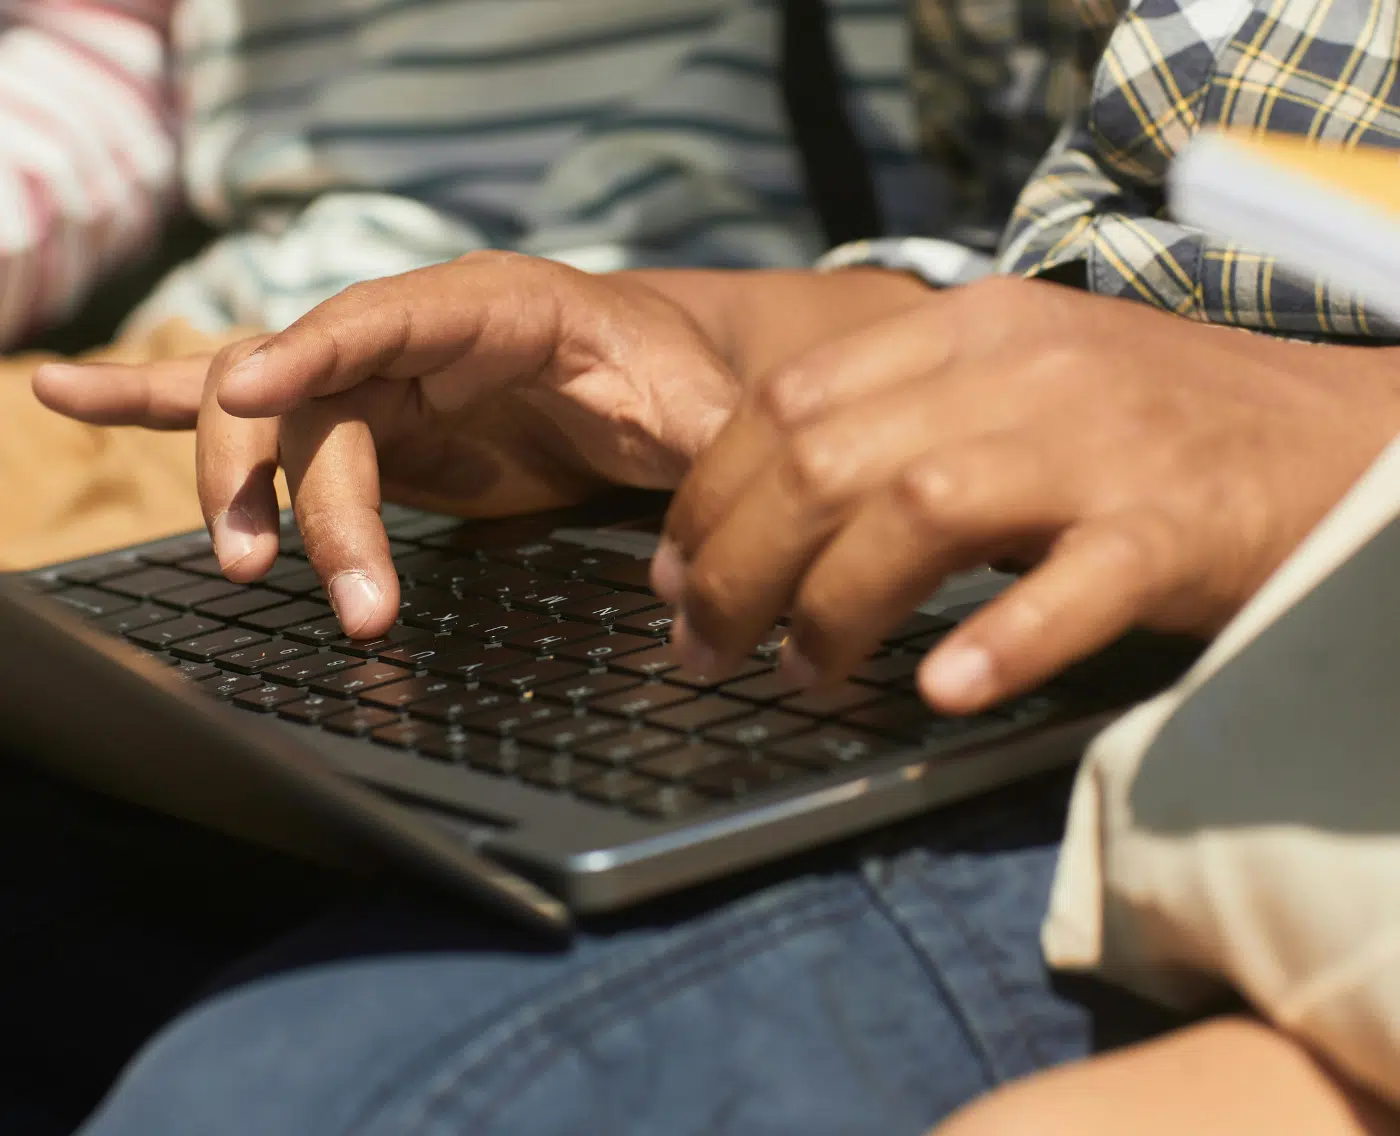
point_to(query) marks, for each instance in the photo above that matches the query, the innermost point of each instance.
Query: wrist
(759, 319)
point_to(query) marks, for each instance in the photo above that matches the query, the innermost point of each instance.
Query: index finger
(415, 325)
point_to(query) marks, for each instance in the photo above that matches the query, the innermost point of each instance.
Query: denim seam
(629, 972)
(912, 941)
(978, 949)
(660, 985)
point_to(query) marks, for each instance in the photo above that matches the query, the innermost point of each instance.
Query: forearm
(759, 320)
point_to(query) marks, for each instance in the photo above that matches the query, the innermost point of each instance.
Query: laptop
(524, 733)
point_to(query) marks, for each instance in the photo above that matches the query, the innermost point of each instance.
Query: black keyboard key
(641, 700)
(614, 787)
(438, 609)
(767, 687)
(297, 583)
(741, 776)
(587, 687)
(904, 717)
(569, 732)
(631, 747)
(204, 592)
(895, 670)
(99, 571)
(252, 660)
(46, 581)
(524, 679)
(560, 771)
(420, 566)
(318, 632)
(168, 631)
(451, 746)
(195, 672)
(832, 700)
(758, 730)
(667, 802)
(92, 603)
(135, 618)
(654, 623)
(521, 555)
(574, 561)
(151, 582)
(416, 655)
(312, 708)
(604, 648)
(286, 615)
(608, 608)
(458, 704)
(500, 624)
(172, 552)
(648, 664)
(457, 574)
(300, 672)
(699, 714)
(503, 583)
(512, 718)
(226, 686)
(267, 698)
(557, 594)
(920, 625)
(397, 636)
(830, 747)
(354, 681)
(409, 735)
(204, 566)
(235, 606)
(417, 528)
(359, 721)
(746, 668)
(470, 664)
(217, 643)
(401, 695)
(626, 573)
(552, 638)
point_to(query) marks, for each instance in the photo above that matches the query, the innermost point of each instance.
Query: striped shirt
(337, 140)
(88, 159)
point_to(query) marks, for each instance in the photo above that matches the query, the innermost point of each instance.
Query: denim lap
(874, 995)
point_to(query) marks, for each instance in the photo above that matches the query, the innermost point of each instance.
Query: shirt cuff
(938, 263)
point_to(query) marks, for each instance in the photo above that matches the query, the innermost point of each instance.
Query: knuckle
(1141, 548)
(787, 396)
(812, 467)
(928, 492)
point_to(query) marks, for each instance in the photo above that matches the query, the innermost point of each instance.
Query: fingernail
(960, 676)
(234, 535)
(248, 371)
(694, 654)
(668, 571)
(355, 598)
(797, 666)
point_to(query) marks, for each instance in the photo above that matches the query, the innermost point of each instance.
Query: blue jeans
(873, 988)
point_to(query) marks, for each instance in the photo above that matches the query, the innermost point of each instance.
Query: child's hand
(493, 384)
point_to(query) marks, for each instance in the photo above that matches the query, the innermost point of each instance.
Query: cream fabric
(1297, 905)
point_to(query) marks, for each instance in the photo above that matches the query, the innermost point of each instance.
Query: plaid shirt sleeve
(1125, 87)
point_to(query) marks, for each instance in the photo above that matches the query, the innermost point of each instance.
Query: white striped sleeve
(88, 162)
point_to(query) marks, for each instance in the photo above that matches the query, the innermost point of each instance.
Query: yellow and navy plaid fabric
(1053, 122)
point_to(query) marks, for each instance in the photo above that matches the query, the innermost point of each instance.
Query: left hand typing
(1155, 472)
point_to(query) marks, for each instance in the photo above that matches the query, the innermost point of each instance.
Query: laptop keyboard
(548, 663)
